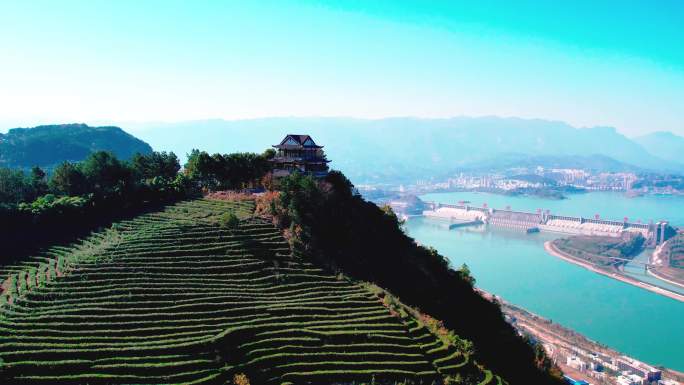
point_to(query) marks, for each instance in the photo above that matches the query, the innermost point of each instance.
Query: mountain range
(665, 145)
(380, 150)
(409, 148)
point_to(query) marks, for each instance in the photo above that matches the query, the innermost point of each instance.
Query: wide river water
(514, 266)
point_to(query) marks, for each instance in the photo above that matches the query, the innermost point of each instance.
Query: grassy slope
(600, 250)
(171, 297)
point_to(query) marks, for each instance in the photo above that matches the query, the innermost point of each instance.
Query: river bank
(560, 343)
(514, 265)
(552, 250)
(653, 273)
(510, 263)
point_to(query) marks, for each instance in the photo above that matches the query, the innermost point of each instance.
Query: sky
(588, 63)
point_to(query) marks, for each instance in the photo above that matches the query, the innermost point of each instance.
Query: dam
(530, 222)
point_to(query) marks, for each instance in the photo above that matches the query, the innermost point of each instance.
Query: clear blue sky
(617, 63)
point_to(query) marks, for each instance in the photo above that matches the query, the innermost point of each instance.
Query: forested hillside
(48, 146)
(304, 283)
(38, 208)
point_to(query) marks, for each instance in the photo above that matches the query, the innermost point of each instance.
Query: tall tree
(67, 179)
(156, 164)
(14, 187)
(39, 183)
(105, 174)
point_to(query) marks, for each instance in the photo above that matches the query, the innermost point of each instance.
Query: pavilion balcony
(279, 173)
(290, 159)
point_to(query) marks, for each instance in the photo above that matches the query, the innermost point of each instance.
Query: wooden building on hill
(299, 153)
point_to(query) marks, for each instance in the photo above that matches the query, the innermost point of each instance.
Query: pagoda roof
(297, 141)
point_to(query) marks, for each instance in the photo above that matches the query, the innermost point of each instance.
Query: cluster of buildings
(472, 181)
(659, 184)
(485, 182)
(300, 153)
(540, 177)
(582, 361)
(618, 181)
(605, 369)
(547, 182)
(573, 176)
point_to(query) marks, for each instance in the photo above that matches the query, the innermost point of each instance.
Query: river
(515, 266)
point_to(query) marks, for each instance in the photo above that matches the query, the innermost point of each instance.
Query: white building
(631, 379)
(575, 363)
(668, 382)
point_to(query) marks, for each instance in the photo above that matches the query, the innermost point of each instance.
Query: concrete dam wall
(532, 222)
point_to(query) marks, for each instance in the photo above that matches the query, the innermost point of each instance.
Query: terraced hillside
(172, 297)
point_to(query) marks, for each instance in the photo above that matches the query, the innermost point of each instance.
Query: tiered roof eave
(295, 147)
(295, 160)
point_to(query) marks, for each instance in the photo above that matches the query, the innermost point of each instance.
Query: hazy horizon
(609, 64)
(135, 127)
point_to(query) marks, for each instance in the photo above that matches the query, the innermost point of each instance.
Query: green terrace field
(172, 297)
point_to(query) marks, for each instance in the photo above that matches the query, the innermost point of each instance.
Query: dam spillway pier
(530, 222)
(465, 223)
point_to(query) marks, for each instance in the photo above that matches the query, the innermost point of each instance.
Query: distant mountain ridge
(596, 162)
(395, 148)
(665, 145)
(47, 146)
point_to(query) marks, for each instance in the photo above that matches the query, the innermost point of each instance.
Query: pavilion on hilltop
(299, 153)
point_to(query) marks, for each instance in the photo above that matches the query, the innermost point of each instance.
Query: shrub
(11, 287)
(464, 273)
(29, 277)
(267, 204)
(392, 216)
(22, 283)
(452, 380)
(52, 205)
(231, 196)
(240, 379)
(60, 265)
(51, 270)
(41, 275)
(230, 221)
